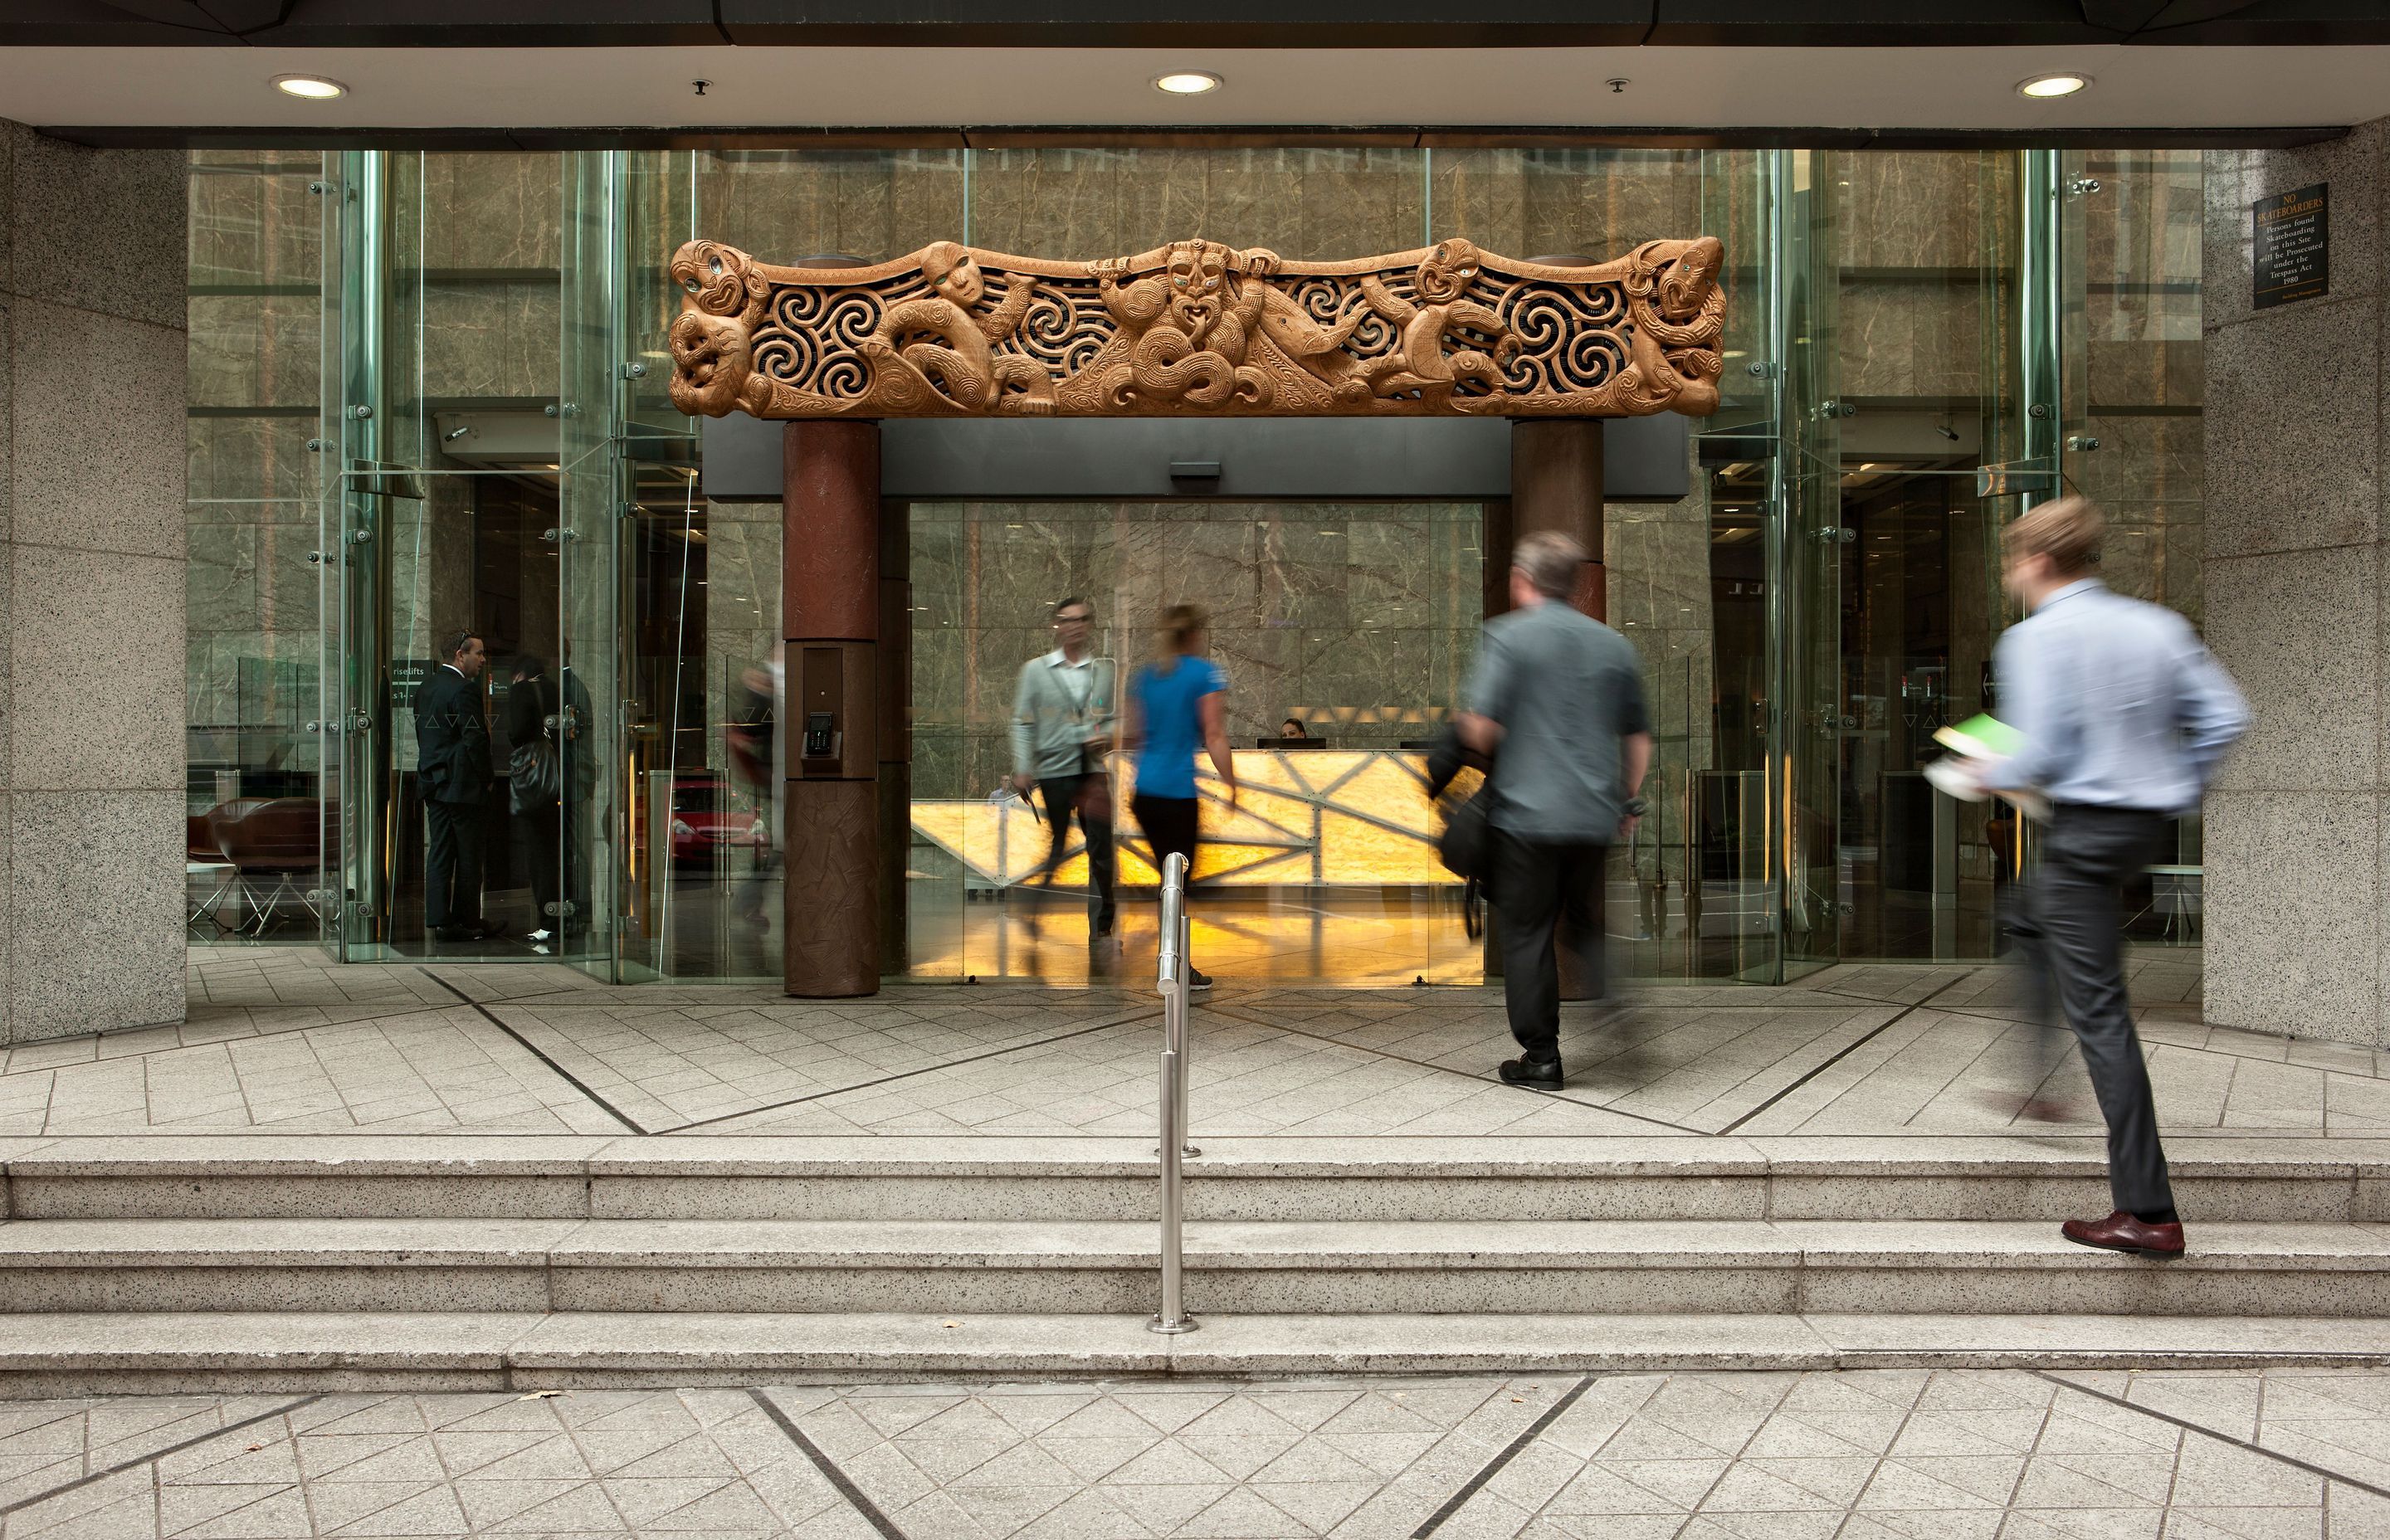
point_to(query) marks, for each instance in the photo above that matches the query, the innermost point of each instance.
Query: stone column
(2298, 862)
(92, 268)
(1556, 484)
(830, 615)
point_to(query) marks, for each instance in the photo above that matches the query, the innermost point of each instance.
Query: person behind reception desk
(1175, 706)
(1557, 702)
(1291, 734)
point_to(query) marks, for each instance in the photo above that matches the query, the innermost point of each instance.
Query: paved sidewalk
(277, 1041)
(1869, 1455)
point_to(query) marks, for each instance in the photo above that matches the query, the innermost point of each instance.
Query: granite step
(2251, 1179)
(159, 1354)
(1599, 1268)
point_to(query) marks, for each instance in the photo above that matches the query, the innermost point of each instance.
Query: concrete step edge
(40, 1354)
(939, 1245)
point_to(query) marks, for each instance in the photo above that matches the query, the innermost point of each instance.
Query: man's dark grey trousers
(1535, 885)
(2069, 932)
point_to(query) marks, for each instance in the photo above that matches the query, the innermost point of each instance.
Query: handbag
(535, 777)
(1466, 845)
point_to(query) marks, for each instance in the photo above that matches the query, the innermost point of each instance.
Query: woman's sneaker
(1197, 980)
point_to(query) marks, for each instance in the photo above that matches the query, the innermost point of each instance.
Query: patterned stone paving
(278, 1040)
(1869, 1455)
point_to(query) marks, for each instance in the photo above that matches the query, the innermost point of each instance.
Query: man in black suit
(452, 740)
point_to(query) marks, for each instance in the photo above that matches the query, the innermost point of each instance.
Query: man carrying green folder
(2113, 718)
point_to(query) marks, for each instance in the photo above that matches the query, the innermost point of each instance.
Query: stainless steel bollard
(1172, 979)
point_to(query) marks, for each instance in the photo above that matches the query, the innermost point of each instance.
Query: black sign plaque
(2291, 246)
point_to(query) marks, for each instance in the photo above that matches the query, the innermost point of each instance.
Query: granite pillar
(831, 603)
(2297, 834)
(92, 268)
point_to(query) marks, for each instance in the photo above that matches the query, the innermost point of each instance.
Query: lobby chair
(204, 861)
(274, 842)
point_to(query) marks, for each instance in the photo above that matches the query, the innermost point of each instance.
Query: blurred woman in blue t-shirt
(1176, 707)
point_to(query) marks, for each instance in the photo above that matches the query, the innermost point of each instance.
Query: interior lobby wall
(2297, 859)
(93, 538)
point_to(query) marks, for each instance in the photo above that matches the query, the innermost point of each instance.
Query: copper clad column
(1556, 484)
(829, 613)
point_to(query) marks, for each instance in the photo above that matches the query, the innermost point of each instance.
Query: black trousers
(1537, 887)
(543, 839)
(452, 863)
(2069, 930)
(1062, 797)
(1170, 825)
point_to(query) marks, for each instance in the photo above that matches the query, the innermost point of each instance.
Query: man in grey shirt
(1062, 715)
(1557, 702)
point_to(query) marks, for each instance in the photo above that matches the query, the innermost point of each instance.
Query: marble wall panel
(492, 210)
(491, 340)
(1060, 203)
(1590, 202)
(255, 350)
(251, 227)
(1917, 208)
(243, 470)
(874, 204)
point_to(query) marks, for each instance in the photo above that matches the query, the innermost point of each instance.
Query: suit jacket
(452, 738)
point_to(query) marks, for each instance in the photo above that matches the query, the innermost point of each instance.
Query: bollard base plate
(1179, 1328)
(1187, 1152)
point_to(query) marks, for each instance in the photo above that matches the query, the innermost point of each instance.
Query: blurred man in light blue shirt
(2122, 717)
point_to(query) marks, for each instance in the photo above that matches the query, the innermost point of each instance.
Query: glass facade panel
(474, 346)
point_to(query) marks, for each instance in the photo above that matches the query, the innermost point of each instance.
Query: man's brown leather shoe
(2121, 1232)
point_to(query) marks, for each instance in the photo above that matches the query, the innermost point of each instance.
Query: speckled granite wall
(91, 609)
(2298, 843)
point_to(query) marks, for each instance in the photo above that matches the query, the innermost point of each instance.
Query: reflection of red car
(703, 823)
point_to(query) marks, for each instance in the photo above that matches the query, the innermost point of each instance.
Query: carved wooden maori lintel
(1197, 327)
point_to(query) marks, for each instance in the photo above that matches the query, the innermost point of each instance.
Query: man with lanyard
(1061, 728)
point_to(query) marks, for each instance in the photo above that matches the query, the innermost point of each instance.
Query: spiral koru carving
(1198, 328)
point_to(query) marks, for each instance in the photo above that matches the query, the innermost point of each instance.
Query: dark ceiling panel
(1874, 23)
(1221, 24)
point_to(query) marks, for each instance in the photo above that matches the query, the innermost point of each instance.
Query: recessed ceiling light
(314, 88)
(1188, 82)
(2042, 86)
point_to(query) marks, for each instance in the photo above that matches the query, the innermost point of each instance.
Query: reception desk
(1304, 817)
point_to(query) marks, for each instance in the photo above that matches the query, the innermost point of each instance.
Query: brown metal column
(829, 613)
(1555, 484)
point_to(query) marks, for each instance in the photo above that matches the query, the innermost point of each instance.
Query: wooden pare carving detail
(1198, 328)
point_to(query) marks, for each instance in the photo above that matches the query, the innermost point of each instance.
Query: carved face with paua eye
(954, 274)
(1447, 272)
(711, 363)
(1198, 275)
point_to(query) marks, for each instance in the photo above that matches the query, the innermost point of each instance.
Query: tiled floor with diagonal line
(276, 1040)
(1877, 1454)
